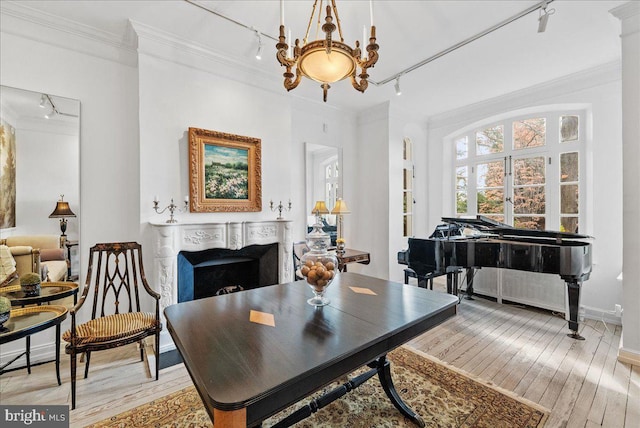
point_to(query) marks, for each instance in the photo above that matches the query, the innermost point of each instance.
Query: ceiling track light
(397, 86)
(54, 110)
(259, 51)
(543, 18)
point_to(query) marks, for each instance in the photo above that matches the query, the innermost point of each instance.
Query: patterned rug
(441, 394)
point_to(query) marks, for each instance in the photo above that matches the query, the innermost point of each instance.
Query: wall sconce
(62, 211)
(280, 207)
(171, 207)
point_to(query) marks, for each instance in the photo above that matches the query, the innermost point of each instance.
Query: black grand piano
(498, 245)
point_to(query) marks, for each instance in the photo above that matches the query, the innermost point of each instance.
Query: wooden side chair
(115, 271)
(299, 249)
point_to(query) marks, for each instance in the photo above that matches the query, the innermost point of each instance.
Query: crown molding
(167, 46)
(626, 10)
(533, 95)
(21, 20)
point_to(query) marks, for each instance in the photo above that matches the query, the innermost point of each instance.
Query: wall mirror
(323, 179)
(39, 162)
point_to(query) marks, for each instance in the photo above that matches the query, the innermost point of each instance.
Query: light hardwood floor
(522, 350)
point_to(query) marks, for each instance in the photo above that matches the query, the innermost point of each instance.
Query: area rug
(441, 394)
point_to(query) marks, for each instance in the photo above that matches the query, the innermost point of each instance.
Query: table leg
(230, 419)
(58, 354)
(384, 374)
(28, 353)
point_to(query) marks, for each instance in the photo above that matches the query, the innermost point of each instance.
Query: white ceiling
(580, 35)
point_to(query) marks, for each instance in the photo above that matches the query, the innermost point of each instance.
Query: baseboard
(627, 356)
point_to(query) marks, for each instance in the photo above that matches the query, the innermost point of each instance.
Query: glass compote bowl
(318, 266)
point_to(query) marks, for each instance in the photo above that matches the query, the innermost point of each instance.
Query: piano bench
(410, 273)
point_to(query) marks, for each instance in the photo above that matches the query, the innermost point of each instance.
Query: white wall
(599, 91)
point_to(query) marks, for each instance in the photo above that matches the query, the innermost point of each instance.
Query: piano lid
(486, 225)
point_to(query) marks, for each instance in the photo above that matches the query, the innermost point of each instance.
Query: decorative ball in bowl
(30, 284)
(5, 310)
(319, 271)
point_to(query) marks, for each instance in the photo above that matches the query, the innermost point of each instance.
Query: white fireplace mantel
(171, 238)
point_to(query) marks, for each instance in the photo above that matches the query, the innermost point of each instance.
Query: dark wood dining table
(254, 353)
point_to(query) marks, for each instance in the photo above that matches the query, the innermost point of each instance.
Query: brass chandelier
(326, 60)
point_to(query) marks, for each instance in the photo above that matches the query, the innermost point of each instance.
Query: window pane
(407, 202)
(461, 202)
(529, 133)
(408, 179)
(407, 152)
(529, 200)
(532, 222)
(569, 168)
(568, 128)
(569, 224)
(491, 201)
(462, 177)
(408, 225)
(490, 140)
(499, 218)
(491, 174)
(462, 148)
(529, 171)
(569, 199)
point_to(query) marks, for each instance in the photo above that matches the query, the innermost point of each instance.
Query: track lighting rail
(541, 5)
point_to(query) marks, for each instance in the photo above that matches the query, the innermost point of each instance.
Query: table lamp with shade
(340, 209)
(62, 211)
(319, 209)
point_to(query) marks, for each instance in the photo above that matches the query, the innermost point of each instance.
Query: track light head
(50, 114)
(259, 51)
(544, 18)
(43, 101)
(397, 86)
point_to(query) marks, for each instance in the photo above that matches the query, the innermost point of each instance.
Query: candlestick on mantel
(280, 208)
(171, 207)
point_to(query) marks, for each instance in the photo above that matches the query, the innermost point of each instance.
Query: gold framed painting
(225, 172)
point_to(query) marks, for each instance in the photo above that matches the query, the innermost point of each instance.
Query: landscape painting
(224, 172)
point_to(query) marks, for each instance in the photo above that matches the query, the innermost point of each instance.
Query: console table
(352, 256)
(253, 353)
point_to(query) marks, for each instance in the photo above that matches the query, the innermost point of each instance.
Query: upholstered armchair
(38, 253)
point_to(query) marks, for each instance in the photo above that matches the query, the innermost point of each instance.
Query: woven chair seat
(112, 327)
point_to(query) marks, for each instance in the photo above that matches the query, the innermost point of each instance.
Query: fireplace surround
(169, 239)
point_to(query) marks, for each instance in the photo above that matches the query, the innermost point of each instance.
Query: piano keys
(497, 245)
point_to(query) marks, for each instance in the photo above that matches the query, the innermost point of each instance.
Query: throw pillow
(51, 254)
(8, 270)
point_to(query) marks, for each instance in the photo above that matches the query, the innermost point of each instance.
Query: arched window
(526, 171)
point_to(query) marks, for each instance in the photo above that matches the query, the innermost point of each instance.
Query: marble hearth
(171, 238)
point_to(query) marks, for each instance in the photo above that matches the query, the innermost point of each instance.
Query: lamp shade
(320, 208)
(62, 210)
(340, 207)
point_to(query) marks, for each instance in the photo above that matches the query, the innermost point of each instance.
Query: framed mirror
(39, 162)
(323, 166)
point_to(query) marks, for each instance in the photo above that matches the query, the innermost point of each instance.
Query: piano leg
(573, 288)
(470, 274)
